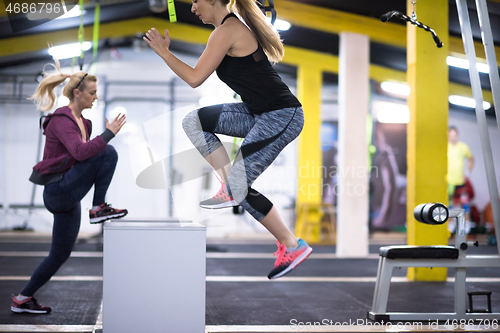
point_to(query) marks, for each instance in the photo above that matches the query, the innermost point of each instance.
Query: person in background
(269, 118)
(72, 163)
(458, 154)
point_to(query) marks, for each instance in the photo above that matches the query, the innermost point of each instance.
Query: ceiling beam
(38, 42)
(190, 34)
(334, 21)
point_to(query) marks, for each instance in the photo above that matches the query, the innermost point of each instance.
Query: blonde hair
(45, 96)
(268, 38)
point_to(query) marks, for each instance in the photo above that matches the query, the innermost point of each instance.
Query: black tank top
(256, 81)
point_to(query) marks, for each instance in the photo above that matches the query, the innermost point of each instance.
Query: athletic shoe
(289, 258)
(29, 305)
(106, 212)
(221, 200)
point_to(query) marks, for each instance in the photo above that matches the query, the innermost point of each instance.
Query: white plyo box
(154, 277)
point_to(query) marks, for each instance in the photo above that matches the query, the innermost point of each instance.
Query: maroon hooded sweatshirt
(64, 146)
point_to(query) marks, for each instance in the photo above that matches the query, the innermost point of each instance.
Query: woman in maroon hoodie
(71, 165)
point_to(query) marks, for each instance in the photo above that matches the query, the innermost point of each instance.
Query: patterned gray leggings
(265, 135)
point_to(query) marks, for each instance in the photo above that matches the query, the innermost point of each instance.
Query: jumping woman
(269, 118)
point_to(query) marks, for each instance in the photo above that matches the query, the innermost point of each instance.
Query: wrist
(165, 55)
(107, 135)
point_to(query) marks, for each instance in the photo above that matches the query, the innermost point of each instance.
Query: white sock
(95, 207)
(21, 298)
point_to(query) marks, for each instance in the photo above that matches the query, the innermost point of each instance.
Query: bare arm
(470, 164)
(218, 45)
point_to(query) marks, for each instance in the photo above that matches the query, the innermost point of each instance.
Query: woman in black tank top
(268, 119)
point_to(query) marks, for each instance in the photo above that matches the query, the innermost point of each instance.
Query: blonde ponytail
(268, 38)
(45, 97)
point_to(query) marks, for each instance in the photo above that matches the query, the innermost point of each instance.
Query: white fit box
(154, 277)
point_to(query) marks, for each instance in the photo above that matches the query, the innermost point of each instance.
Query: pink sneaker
(106, 212)
(221, 200)
(289, 258)
(29, 305)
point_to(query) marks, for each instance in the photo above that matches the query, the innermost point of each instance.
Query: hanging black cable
(387, 16)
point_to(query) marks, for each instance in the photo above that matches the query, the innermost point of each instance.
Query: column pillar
(427, 138)
(309, 159)
(352, 190)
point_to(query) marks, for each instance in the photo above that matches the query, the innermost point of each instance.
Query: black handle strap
(40, 121)
(270, 8)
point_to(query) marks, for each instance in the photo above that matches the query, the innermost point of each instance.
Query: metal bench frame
(386, 266)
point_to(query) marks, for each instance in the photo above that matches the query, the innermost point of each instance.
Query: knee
(190, 122)
(208, 117)
(59, 254)
(110, 153)
(60, 258)
(258, 202)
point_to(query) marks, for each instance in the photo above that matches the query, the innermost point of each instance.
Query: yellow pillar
(427, 77)
(309, 82)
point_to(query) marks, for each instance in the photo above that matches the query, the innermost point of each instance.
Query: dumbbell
(431, 213)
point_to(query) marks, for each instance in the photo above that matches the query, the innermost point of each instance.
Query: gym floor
(239, 297)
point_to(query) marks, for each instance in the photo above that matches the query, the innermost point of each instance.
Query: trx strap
(270, 8)
(91, 68)
(95, 38)
(81, 33)
(95, 42)
(171, 11)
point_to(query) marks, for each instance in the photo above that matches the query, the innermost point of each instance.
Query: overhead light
(280, 24)
(158, 6)
(395, 88)
(464, 63)
(391, 113)
(74, 12)
(466, 102)
(69, 50)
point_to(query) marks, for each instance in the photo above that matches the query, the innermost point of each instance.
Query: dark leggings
(265, 135)
(63, 200)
